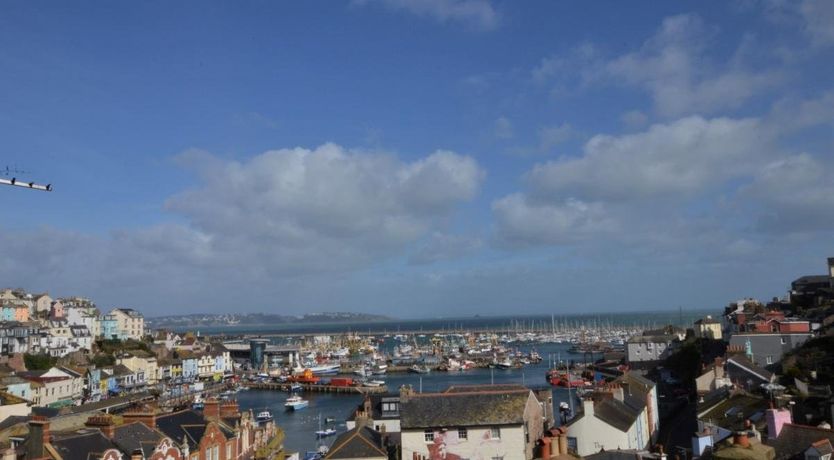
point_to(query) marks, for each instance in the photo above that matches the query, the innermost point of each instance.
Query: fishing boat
(379, 369)
(505, 364)
(418, 369)
(296, 387)
(326, 432)
(264, 416)
(295, 402)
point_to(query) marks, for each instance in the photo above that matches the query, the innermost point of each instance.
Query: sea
(300, 427)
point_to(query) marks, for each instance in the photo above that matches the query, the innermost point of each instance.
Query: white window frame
(495, 432)
(463, 433)
(428, 435)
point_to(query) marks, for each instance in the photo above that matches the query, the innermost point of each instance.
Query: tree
(39, 362)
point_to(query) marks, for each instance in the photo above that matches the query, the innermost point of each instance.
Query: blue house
(92, 385)
(190, 369)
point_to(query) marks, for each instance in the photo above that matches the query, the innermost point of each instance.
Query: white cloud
(682, 158)
(674, 68)
(503, 128)
(521, 221)
(479, 14)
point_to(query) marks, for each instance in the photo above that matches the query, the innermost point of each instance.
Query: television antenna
(14, 181)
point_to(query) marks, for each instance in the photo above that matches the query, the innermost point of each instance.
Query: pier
(318, 388)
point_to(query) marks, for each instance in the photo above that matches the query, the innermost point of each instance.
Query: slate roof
(463, 409)
(742, 362)
(793, 440)
(134, 436)
(360, 442)
(184, 423)
(85, 446)
(616, 413)
(485, 387)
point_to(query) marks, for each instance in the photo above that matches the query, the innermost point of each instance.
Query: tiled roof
(463, 409)
(360, 442)
(744, 363)
(793, 440)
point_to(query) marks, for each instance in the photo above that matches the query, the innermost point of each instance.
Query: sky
(417, 158)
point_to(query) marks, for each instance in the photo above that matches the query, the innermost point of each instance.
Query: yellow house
(145, 367)
(708, 328)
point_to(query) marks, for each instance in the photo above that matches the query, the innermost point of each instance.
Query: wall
(477, 446)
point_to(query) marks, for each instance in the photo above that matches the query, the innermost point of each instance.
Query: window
(495, 432)
(228, 451)
(784, 340)
(770, 359)
(462, 433)
(428, 435)
(497, 458)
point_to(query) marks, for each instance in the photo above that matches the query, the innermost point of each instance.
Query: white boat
(505, 364)
(379, 369)
(374, 383)
(296, 403)
(327, 432)
(296, 387)
(322, 369)
(263, 416)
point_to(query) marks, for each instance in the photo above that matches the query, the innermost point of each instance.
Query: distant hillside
(206, 319)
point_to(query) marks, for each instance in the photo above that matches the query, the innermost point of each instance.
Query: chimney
(546, 448)
(229, 409)
(563, 442)
(740, 439)
(776, 419)
(104, 423)
(38, 436)
(137, 454)
(147, 417)
(211, 408)
(588, 407)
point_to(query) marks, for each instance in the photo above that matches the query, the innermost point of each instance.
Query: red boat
(564, 379)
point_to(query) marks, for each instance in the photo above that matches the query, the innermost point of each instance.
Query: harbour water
(300, 426)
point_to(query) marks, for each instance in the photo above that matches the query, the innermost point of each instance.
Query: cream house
(474, 422)
(56, 387)
(130, 323)
(708, 328)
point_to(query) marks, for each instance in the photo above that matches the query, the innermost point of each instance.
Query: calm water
(300, 426)
(646, 319)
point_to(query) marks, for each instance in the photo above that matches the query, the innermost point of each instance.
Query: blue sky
(417, 158)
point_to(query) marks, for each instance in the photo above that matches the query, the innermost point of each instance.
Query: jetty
(353, 389)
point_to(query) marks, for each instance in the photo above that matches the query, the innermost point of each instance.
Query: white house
(624, 415)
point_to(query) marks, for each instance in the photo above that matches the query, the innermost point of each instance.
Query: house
(14, 336)
(56, 387)
(190, 368)
(813, 290)
(380, 412)
(143, 364)
(743, 447)
(92, 385)
(802, 442)
(712, 378)
(100, 440)
(360, 442)
(708, 328)
(11, 405)
(622, 415)
(767, 348)
(17, 386)
(109, 327)
(475, 423)
(650, 348)
(745, 374)
(130, 324)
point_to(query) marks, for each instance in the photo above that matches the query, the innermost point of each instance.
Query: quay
(317, 388)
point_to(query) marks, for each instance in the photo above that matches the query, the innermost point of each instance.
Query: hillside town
(753, 382)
